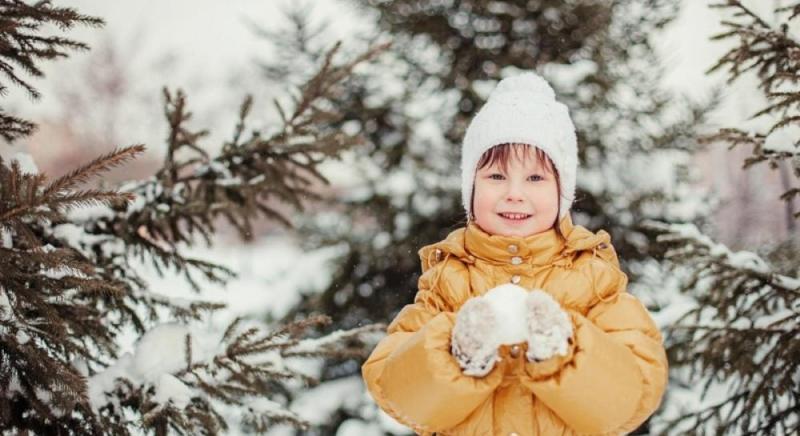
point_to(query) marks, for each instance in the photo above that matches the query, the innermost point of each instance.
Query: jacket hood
(471, 242)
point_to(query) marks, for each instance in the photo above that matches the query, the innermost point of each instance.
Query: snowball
(508, 304)
(524, 85)
(550, 328)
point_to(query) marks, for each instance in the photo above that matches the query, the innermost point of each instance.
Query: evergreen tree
(414, 103)
(23, 47)
(736, 346)
(69, 284)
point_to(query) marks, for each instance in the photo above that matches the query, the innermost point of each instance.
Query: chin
(517, 232)
(501, 228)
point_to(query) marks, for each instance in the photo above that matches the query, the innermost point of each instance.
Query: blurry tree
(736, 346)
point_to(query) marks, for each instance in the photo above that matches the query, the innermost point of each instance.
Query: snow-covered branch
(743, 330)
(182, 378)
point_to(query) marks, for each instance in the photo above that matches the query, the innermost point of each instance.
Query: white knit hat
(522, 109)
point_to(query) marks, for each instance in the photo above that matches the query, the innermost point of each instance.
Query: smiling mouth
(515, 216)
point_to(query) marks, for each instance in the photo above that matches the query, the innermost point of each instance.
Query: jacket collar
(538, 249)
(471, 242)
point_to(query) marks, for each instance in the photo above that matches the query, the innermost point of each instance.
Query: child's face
(528, 187)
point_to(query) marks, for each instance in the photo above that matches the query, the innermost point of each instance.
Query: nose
(514, 193)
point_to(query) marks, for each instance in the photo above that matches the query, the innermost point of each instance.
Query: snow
(386, 421)
(46, 397)
(75, 235)
(158, 355)
(6, 237)
(787, 282)
(151, 358)
(678, 306)
(319, 403)
(381, 240)
(26, 163)
(89, 213)
(568, 76)
(398, 185)
(5, 306)
(357, 427)
(273, 277)
(105, 381)
(784, 140)
(22, 337)
(312, 344)
(510, 304)
(170, 389)
(147, 191)
(349, 394)
(483, 87)
(740, 259)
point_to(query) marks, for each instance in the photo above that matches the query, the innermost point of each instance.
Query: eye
(538, 177)
(492, 176)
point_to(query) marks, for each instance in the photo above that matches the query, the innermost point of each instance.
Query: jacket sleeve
(411, 374)
(615, 372)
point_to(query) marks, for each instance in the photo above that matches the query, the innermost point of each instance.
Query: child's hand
(473, 341)
(549, 327)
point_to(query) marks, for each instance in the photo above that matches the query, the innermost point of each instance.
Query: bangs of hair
(502, 153)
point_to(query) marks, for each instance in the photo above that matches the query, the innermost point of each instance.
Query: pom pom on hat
(525, 85)
(522, 109)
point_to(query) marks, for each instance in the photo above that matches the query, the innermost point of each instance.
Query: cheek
(548, 195)
(485, 198)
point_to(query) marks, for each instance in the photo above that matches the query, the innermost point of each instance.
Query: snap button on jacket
(611, 380)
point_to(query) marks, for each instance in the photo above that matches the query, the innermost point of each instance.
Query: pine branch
(22, 47)
(776, 56)
(744, 331)
(103, 163)
(69, 284)
(12, 128)
(52, 198)
(72, 286)
(242, 371)
(186, 197)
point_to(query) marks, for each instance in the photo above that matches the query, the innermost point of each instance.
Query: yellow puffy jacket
(610, 382)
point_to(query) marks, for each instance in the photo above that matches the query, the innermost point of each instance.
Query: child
(591, 360)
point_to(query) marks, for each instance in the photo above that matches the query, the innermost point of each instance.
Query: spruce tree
(23, 48)
(735, 348)
(414, 103)
(68, 282)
